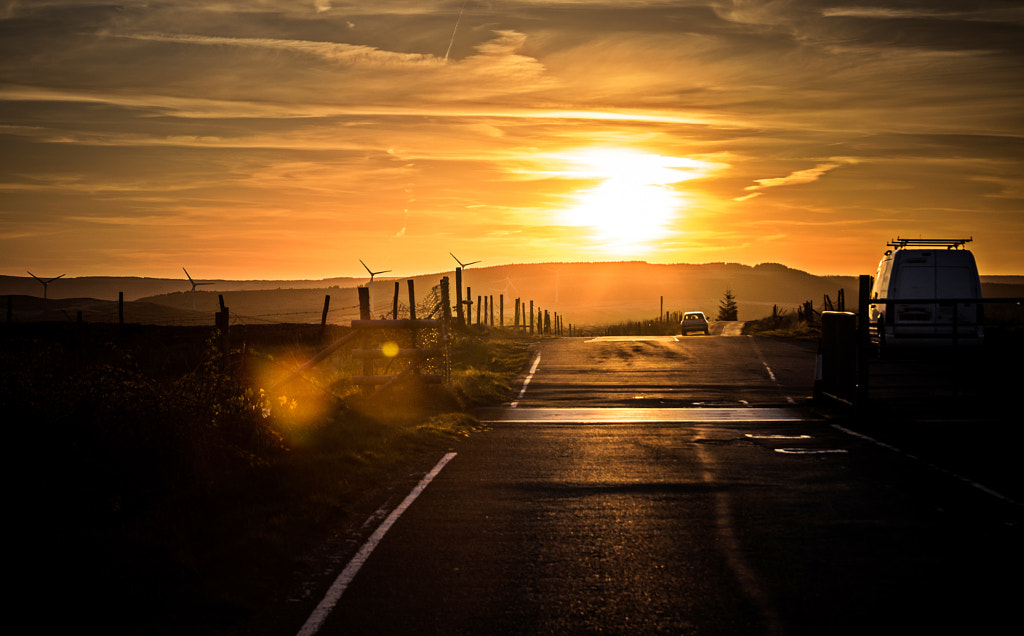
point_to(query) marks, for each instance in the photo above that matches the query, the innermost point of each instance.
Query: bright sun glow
(634, 201)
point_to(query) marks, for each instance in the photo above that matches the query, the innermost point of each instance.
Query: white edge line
(526, 382)
(333, 595)
(940, 469)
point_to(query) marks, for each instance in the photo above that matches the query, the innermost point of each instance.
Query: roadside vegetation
(802, 324)
(188, 487)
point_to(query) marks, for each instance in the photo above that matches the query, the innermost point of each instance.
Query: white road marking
(320, 614)
(767, 368)
(632, 415)
(948, 472)
(526, 382)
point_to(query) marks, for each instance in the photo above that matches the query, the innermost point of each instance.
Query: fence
(850, 341)
(298, 306)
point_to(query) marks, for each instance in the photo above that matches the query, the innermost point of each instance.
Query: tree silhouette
(727, 309)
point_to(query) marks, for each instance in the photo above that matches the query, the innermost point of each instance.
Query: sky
(292, 139)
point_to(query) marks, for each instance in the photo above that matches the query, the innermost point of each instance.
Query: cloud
(334, 52)
(312, 119)
(800, 177)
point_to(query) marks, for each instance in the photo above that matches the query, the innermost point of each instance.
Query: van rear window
(916, 282)
(955, 282)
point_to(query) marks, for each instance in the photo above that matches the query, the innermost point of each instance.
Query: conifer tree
(727, 309)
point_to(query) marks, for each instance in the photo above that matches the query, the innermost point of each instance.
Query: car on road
(694, 321)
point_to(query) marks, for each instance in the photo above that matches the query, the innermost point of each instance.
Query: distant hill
(108, 287)
(582, 293)
(36, 309)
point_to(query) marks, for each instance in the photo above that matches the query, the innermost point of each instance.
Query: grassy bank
(188, 492)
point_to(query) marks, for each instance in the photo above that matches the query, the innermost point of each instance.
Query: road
(682, 486)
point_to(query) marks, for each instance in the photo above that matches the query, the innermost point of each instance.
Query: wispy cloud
(799, 177)
(359, 124)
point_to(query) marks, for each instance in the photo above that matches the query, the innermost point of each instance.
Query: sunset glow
(633, 202)
(291, 138)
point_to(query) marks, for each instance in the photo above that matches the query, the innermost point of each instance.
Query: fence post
(364, 314)
(413, 332)
(446, 326)
(394, 302)
(120, 309)
(364, 302)
(458, 297)
(323, 317)
(479, 307)
(531, 317)
(501, 311)
(223, 321)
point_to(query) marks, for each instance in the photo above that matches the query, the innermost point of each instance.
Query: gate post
(838, 364)
(863, 340)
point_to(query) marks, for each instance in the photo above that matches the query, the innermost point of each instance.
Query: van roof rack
(950, 244)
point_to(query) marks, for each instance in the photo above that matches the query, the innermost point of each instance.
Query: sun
(633, 202)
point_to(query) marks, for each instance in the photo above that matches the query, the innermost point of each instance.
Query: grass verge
(183, 493)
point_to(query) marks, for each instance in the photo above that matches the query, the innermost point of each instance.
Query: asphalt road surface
(681, 486)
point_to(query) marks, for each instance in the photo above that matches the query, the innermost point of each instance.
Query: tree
(727, 309)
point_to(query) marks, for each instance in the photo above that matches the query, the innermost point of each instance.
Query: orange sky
(290, 139)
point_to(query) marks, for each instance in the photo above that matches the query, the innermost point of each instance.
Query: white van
(927, 269)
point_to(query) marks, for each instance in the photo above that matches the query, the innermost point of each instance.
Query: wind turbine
(194, 285)
(461, 264)
(372, 273)
(45, 282)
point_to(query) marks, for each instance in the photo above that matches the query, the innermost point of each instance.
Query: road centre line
(526, 382)
(333, 595)
(771, 375)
